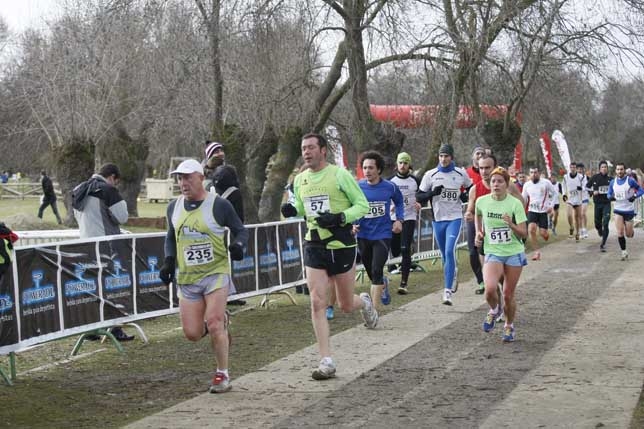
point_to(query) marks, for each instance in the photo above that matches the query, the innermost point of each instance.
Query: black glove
(330, 220)
(437, 190)
(632, 199)
(565, 198)
(464, 197)
(612, 199)
(288, 210)
(236, 251)
(166, 273)
(579, 188)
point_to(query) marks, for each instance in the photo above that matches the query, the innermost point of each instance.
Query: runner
(624, 190)
(475, 261)
(598, 184)
(374, 230)
(402, 243)
(442, 185)
(487, 163)
(520, 180)
(500, 226)
(330, 199)
(585, 199)
(573, 184)
(539, 196)
(553, 217)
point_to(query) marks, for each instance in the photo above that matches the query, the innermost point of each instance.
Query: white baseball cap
(188, 166)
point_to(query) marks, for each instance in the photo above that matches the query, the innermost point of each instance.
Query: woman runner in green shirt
(500, 226)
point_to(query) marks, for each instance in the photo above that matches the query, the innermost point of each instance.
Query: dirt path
(577, 360)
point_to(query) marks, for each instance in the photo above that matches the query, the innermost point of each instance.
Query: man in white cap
(197, 262)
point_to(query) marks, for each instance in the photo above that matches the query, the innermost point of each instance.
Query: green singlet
(499, 239)
(331, 189)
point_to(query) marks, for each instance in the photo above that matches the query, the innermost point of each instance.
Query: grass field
(102, 387)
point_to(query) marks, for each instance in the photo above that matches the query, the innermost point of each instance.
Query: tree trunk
(74, 163)
(279, 169)
(258, 163)
(130, 156)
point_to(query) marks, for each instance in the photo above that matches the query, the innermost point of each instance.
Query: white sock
(327, 360)
(495, 310)
(223, 371)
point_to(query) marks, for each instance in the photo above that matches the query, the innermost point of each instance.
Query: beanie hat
(478, 149)
(212, 147)
(447, 149)
(404, 157)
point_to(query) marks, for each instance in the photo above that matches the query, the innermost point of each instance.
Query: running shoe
(220, 383)
(490, 320)
(402, 290)
(385, 296)
(329, 312)
(554, 231)
(325, 371)
(624, 255)
(536, 256)
(447, 297)
(500, 318)
(480, 290)
(577, 238)
(369, 313)
(395, 271)
(508, 334)
(571, 234)
(418, 268)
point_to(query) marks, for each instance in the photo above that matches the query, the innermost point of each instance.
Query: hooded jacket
(99, 209)
(223, 178)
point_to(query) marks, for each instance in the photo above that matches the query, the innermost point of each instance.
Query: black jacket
(225, 177)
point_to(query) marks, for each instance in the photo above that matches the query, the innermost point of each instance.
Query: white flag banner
(562, 147)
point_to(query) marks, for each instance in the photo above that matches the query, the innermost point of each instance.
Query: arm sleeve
(225, 215)
(359, 205)
(399, 202)
(638, 189)
(238, 204)
(610, 193)
(170, 245)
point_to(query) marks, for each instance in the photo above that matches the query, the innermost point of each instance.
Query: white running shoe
(325, 371)
(624, 255)
(369, 313)
(447, 297)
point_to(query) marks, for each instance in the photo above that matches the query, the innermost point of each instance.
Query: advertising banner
(8, 318)
(544, 142)
(289, 250)
(244, 271)
(80, 287)
(38, 291)
(151, 293)
(267, 253)
(426, 242)
(116, 278)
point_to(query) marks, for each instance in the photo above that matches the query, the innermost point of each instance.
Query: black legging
(402, 244)
(475, 262)
(602, 219)
(374, 254)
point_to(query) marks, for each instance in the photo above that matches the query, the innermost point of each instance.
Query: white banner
(562, 147)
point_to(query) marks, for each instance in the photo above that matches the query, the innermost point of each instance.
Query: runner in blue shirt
(374, 230)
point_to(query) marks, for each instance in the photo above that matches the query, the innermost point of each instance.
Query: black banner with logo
(290, 253)
(39, 304)
(244, 271)
(151, 294)
(79, 281)
(8, 318)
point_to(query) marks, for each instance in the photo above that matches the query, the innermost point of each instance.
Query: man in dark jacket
(49, 196)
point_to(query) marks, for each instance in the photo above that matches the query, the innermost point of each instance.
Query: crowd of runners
(372, 220)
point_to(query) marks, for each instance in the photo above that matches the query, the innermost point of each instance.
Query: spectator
(48, 197)
(99, 209)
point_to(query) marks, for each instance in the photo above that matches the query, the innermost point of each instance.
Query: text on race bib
(574, 193)
(603, 189)
(315, 204)
(620, 195)
(198, 254)
(450, 195)
(499, 235)
(534, 206)
(376, 209)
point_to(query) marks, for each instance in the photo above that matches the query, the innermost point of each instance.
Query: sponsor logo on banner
(149, 280)
(245, 267)
(80, 286)
(290, 255)
(117, 280)
(38, 293)
(38, 298)
(268, 260)
(426, 230)
(6, 304)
